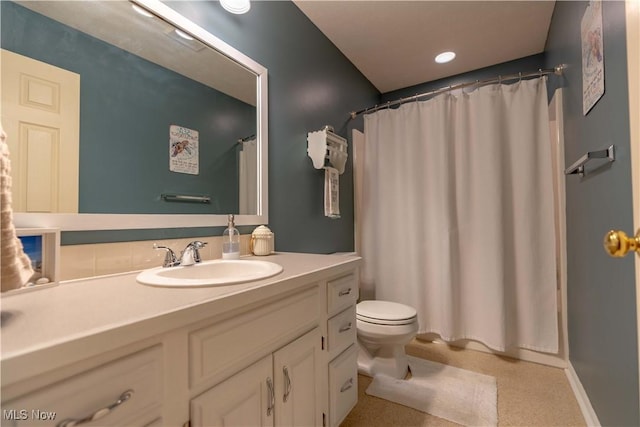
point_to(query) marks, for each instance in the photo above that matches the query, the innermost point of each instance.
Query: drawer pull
(100, 413)
(287, 384)
(347, 385)
(345, 292)
(345, 328)
(272, 396)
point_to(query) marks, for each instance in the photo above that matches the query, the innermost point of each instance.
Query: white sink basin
(209, 273)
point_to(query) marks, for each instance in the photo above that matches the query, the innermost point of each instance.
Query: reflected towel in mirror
(15, 264)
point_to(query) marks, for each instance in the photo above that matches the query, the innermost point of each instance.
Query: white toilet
(383, 330)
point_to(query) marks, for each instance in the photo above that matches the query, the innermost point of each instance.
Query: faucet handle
(170, 259)
(193, 250)
(198, 244)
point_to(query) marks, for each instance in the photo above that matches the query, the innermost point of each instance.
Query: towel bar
(578, 166)
(184, 198)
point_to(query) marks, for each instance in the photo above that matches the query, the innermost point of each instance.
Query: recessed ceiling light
(236, 6)
(183, 34)
(141, 11)
(445, 57)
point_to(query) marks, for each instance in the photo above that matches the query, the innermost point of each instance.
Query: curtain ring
(519, 77)
(499, 79)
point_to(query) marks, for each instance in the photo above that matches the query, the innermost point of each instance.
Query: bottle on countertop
(231, 241)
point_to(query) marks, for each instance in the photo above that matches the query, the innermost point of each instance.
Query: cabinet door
(296, 371)
(245, 399)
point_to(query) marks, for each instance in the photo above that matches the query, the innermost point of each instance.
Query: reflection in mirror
(115, 111)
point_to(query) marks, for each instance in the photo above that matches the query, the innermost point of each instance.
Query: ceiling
(394, 43)
(153, 39)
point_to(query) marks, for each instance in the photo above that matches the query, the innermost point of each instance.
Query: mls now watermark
(24, 414)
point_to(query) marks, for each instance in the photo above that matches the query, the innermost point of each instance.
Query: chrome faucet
(170, 259)
(191, 254)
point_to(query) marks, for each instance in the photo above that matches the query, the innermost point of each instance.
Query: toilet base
(389, 360)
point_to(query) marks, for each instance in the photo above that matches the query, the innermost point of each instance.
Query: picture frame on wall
(592, 56)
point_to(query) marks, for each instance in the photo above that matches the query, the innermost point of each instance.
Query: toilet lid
(382, 312)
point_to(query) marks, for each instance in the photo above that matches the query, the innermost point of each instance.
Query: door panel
(41, 116)
(242, 400)
(296, 375)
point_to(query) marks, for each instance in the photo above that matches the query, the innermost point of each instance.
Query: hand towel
(331, 193)
(15, 265)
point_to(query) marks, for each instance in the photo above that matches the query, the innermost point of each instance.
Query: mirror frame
(86, 222)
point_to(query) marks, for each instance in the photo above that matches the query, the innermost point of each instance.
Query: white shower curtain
(458, 217)
(248, 186)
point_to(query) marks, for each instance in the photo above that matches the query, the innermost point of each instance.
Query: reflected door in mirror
(41, 116)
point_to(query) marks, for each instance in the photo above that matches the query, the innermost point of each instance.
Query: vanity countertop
(94, 315)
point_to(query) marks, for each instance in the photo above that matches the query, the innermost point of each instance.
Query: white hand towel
(15, 264)
(331, 193)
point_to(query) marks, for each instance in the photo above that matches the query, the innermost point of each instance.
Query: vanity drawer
(95, 391)
(343, 385)
(341, 293)
(341, 331)
(231, 344)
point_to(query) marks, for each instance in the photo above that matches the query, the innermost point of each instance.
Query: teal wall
(603, 346)
(126, 107)
(311, 84)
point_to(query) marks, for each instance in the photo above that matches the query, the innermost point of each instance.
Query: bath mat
(455, 394)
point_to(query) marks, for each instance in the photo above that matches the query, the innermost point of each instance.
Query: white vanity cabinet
(342, 295)
(279, 352)
(281, 389)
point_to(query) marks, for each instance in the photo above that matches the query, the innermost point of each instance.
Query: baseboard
(588, 413)
(547, 359)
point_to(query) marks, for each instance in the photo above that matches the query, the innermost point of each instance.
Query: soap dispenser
(231, 241)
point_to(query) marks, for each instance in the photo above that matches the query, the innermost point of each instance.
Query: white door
(41, 116)
(245, 399)
(632, 8)
(296, 369)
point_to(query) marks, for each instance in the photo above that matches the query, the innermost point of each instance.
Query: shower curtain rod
(541, 72)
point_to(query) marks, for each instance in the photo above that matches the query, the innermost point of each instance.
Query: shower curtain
(457, 214)
(248, 195)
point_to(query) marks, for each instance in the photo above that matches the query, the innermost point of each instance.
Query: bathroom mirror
(143, 161)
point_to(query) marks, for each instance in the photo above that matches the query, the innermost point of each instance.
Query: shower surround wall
(603, 346)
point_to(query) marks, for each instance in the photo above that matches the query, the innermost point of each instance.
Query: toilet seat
(385, 313)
